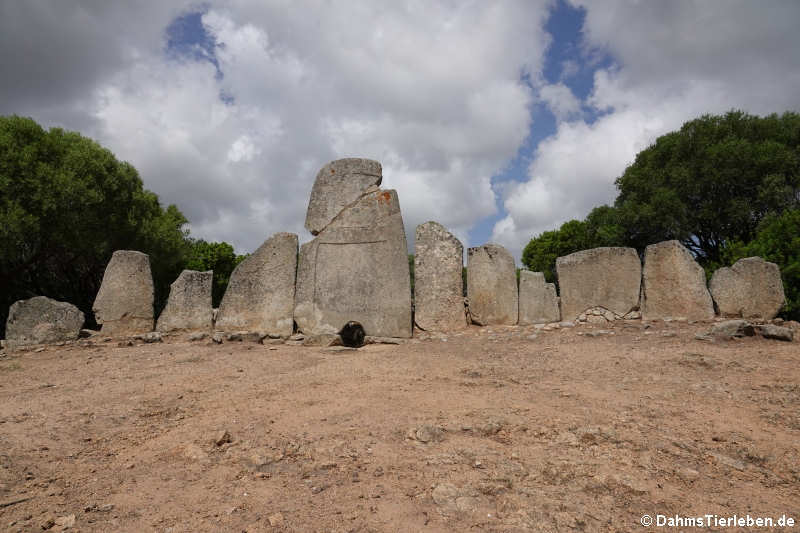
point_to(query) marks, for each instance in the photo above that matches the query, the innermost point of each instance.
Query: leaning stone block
(124, 303)
(600, 277)
(260, 294)
(674, 285)
(492, 285)
(189, 303)
(751, 288)
(538, 302)
(41, 320)
(438, 283)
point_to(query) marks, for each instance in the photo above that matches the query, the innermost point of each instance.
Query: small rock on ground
(732, 328)
(769, 331)
(222, 437)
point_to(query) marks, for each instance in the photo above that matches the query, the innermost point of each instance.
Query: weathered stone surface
(673, 284)
(149, 337)
(600, 277)
(780, 333)
(260, 294)
(189, 303)
(438, 285)
(124, 303)
(751, 288)
(41, 320)
(732, 328)
(492, 285)
(538, 302)
(356, 269)
(339, 184)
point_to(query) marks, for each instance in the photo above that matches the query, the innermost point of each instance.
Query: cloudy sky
(498, 119)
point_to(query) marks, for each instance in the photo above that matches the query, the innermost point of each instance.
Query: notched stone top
(592, 253)
(339, 184)
(492, 250)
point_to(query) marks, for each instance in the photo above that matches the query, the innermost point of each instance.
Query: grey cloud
(431, 90)
(674, 61)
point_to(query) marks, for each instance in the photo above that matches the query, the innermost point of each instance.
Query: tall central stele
(356, 268)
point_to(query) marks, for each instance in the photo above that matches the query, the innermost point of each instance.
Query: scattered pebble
(223, 437)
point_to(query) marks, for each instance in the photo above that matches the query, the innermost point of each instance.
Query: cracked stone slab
(356, 269)
(339, 184)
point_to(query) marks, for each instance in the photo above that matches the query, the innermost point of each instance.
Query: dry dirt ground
(495, 429)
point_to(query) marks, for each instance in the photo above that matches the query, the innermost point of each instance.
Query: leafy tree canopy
(601, 228)
(66, 204)
(216, 256)
(711, 182)
(725, 186)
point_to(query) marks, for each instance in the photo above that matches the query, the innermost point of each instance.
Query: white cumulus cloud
(673, 61)
(433, 90)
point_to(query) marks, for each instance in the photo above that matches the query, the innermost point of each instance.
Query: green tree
(711, 182)
(777, 240)
(216, 256)
(601, 228)
(66, 204)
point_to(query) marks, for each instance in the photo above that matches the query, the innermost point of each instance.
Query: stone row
(356, 270)
(610, 283)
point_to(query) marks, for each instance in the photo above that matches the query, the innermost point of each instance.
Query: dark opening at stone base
(352, 334)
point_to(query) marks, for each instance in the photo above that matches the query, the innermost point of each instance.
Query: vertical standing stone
(751, 288)
(356, 269)
(438, 282)
(260, 294)
(189, 303)
(600, 277)
(124, 303)
(41, 320)
(538, 302)
(674, 285)
(492, 285)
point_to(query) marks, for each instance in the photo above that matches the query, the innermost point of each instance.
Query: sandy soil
(495, 429)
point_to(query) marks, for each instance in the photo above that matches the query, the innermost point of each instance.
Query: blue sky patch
(565, 62)
(188, 39)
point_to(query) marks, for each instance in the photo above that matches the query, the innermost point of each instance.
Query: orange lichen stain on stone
(385, 197)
